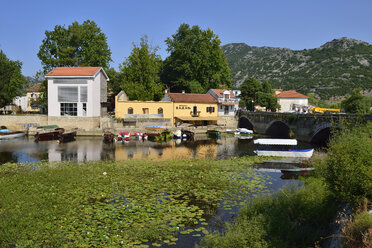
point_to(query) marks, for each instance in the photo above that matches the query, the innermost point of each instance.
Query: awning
(200, 118)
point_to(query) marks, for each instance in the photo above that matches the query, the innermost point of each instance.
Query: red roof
(74, 71)
(34, 88)
(290, 94)
(219, 92)
(199, 98)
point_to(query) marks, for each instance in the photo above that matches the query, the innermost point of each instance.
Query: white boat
(11, 134)
(177, 134)
(281, 148)
(243, 131)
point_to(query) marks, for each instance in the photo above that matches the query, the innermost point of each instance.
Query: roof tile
(290, 94)
(197, 98)
(74, 71)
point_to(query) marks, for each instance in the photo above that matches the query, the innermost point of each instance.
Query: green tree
(113, 85)
(12, 82)
(266, 87)
(249, 89)
(267, 100)
(196, 62)
(140, 73)
(77, 45)
(312, 99)
(356, 103)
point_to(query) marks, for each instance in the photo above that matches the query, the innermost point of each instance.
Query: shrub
(348, 166)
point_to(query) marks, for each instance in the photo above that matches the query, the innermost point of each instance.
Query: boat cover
(289, 142)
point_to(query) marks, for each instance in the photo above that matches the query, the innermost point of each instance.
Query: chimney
(183, 92)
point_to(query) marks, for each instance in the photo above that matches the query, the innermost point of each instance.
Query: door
(226, 112)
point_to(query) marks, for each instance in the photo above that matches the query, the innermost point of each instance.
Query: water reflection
(92, 148)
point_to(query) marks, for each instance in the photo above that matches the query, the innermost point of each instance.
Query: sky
(294, 24)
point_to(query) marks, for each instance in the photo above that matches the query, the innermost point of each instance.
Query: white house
(77, 91)
(292, 101)
(21, 102)
(227, 101)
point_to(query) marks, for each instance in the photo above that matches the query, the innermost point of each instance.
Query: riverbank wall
(95, 126)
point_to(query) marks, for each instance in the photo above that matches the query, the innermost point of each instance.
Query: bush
(347, 168)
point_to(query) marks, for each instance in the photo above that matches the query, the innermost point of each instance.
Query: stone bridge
(312, 128)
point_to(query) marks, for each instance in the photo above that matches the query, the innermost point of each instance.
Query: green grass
(117, 203)
(290, 218)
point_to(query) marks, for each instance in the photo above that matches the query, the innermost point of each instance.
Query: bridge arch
(322, 135)
(244, 122)
(278, 129)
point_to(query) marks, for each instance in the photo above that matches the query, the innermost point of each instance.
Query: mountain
(332, 70)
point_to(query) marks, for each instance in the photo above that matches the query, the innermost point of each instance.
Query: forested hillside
(333, 69)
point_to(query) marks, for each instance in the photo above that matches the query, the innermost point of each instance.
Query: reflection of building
(292, 101)
(77, 91)
(198, 109)
(228, 102)
(84, 150)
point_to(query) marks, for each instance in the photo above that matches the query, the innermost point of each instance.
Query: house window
(160, 111)
(210, 109)
(145, 111)
(67, 94)
(83, 94)
(130, 111)
(68, 109)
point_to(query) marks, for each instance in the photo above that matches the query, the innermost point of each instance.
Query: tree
(356, 103)
(196, 62)
(113, 85)
(267, 100)
(140, 73)
(266, 87)
(249, 89)
(12, 82)
(77, 45)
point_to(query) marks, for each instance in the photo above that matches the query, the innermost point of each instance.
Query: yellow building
(33, 95)
(174, 108)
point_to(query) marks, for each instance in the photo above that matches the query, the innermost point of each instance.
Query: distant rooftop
(184, 97)
(34, 88)
(74, 71)
(290, 94)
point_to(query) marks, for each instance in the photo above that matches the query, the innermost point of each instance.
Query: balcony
(224, 100)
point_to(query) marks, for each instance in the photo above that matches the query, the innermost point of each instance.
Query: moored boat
(66, 137)
(297, 171)
(164, 136)
(188, 135)
(9, 134)
(108, 137)
(177, 134)
(281, 148)
(48, 135)
(243, 132)
(141, 136)
(124, 136)
(213, 133)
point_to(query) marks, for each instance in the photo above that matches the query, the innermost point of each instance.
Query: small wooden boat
(141, 136)
(66, 137)
(243, 132)
(297, 171)
(124, 136)
(9, 134)
(188, 135)
(164, 136)
(214, 133)
(51, 135)
(281, 148)
(108, 137)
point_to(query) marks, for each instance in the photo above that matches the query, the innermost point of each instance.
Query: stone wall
(23, 121)
(75, 122)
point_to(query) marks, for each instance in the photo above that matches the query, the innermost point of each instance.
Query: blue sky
(294, 24)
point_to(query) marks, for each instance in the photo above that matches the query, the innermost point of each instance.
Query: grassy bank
(300, 217)
(117, 203)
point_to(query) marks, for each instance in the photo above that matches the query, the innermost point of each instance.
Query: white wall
(287, 103)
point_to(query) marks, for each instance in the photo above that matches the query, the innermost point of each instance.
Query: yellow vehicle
(323, 110)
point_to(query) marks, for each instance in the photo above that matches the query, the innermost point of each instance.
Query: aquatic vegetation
(131, 203)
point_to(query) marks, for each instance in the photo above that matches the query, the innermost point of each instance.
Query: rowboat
(214, 133)
(140, 135)
(297, 171)
(108, 137)
(48, 135)
(9, 134)
(124, 136)
(243, 132)
(188, 135)
(66, 137)
(281, 148)
(164, 136)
